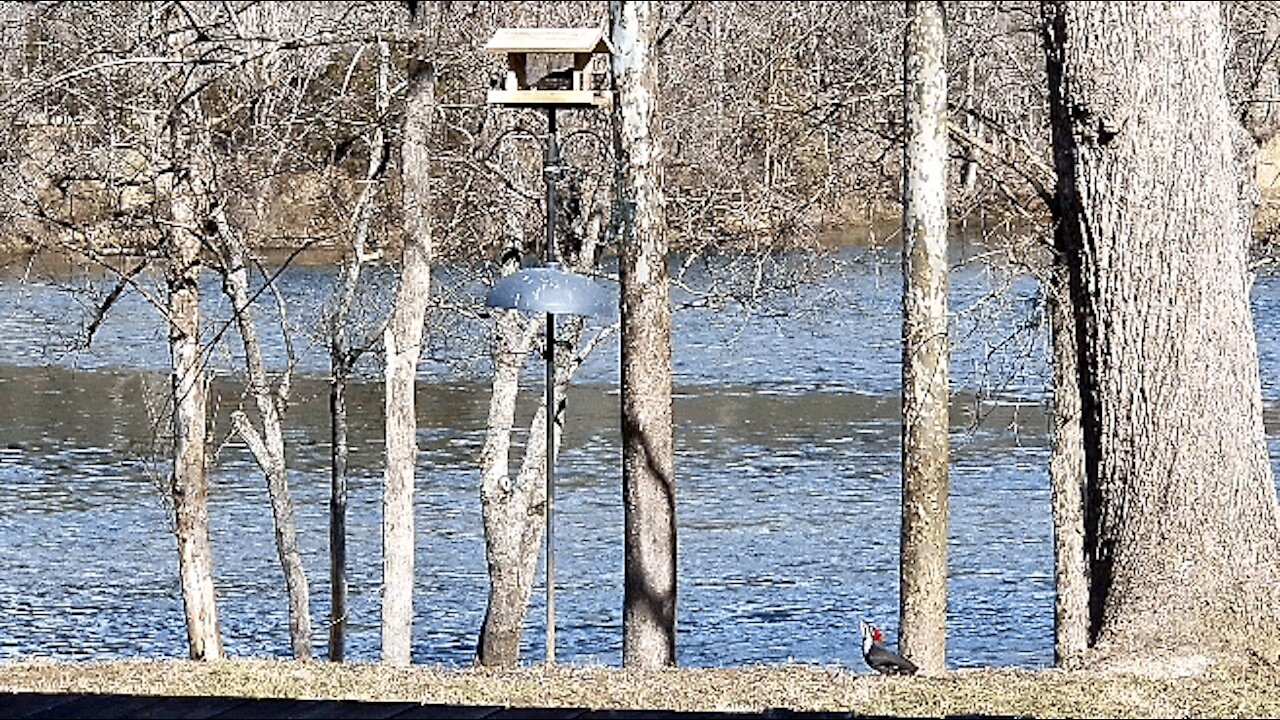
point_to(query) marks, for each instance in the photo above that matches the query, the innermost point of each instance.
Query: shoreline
(1252, 691)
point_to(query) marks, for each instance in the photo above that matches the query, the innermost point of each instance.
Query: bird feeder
(552, 67)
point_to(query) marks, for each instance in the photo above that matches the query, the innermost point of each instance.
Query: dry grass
(1248, 692)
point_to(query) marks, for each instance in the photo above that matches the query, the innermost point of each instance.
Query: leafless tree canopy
(780, 119)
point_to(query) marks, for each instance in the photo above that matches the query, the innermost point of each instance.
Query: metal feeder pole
(551, 171)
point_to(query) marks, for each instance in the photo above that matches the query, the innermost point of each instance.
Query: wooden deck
(35, 706)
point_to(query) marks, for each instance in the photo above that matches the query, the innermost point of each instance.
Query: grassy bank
(1251, 692)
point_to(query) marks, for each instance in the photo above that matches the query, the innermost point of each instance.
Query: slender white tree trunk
(267, 446)
(189, 484)
(925, 348)
(648, 462)
(403, 341)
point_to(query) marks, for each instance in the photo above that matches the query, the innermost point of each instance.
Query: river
(787, 441)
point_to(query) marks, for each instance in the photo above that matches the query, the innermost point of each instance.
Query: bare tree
(189, 486)
(270, 398)
(925, 347)
(648, 462)
(403, 344)
(344, 352)
(514, 526)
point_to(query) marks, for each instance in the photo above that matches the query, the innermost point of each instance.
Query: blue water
(787, 467)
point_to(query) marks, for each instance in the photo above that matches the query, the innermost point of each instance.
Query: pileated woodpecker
(880, 658)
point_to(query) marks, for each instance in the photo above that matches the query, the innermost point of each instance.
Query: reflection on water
(787, 442)
(787, 512)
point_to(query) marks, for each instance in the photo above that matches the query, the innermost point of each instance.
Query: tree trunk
(403, 340)
(1182, 523)
(189, 485)
(648, 464)
(513, 510)
(514, 518)
(925, 351)
(267, 446)
(339, 451)
(1067, 479)
(342, 357)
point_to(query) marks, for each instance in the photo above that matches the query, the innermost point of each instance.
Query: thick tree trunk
(925, 348)
(1067, 480)
(1182, 523)
(511, 509)
(514, 510)
(403, 340)
(189, 485)
(648, 465)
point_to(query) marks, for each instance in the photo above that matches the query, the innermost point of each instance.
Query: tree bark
(189, 484)
(342, 357)
(267, 446)
(1182, 523)
(403, 340)
(338, 457)
(513, 509)
(648, 465)
(1067, 479)
(925, 351)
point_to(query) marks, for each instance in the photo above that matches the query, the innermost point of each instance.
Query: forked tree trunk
(189, 484)
(513, 509)
(510, 508)
(513, 520)
(267, 445)
(1182, 522)
(648, 464)
(403, 340)
(925, 348)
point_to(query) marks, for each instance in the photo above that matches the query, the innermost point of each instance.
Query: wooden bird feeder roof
(549, 40)
(551, 67)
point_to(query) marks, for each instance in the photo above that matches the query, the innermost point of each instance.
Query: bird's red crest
(876, 635)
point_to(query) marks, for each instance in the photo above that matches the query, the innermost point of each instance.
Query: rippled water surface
(788, 450)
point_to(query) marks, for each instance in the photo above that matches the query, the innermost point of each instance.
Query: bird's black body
(880, 658)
